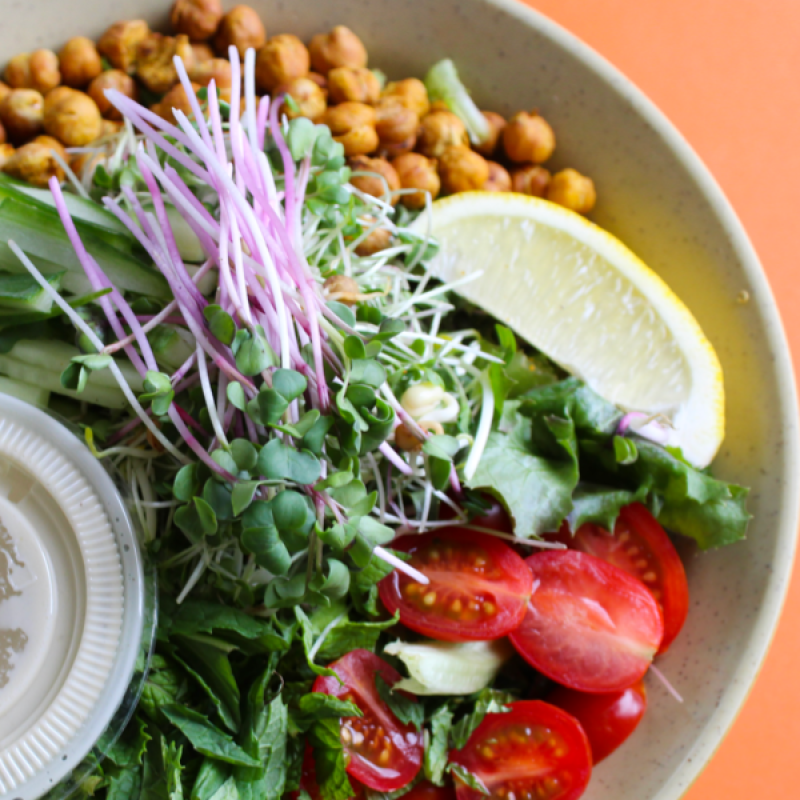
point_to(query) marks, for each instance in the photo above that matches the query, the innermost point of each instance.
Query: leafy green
(487, 701)
(207, 738)
(405, 708)
(438, 746)
(533, 471)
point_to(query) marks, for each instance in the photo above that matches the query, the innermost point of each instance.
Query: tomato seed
(429, 599)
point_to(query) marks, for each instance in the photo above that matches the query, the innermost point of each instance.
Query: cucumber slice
(41, 363)
(38, 231)
(80, 209)
(21, 293)
(34, 395)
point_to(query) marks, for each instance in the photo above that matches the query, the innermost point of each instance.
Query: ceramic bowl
(657, 197)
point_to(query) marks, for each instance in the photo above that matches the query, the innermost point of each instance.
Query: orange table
(726, 73)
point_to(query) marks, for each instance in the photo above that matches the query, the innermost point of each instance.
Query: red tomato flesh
(477, 591)
(381, 752)
(425, 790)
(535, 750)
(607, 719)
(641, 547)
(589, 625)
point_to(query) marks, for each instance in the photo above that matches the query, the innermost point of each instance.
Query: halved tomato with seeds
(588, 625)
(533, 751)
(381, 752)
(477, 591)
(641, 547)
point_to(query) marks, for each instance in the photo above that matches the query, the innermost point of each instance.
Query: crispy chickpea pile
(400, 146)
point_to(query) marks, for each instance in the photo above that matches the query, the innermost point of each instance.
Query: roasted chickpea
(319, 79)
(377, 240)
(242, 28)
(80, 62)
(110, 127)
(6, 151)
(417, 172)
(496, 126)
(111, 79)
(411, 93)
(392, 150)
(462, 170)
(309, 97)
(197, 19)
(282, 59)
(84, 164)
(353, 84)
(120, 43)
(394, 121)
(499, 180)
(406, 440)
(440, 131)
(73, 118)
(175, 98)
(532, 180)
(201, 52)
(154, 60)
(35, 163)
(528, 137)
(572, 190)
(55, 96)
(342, 288)
(4, 90)
(374, 185)
(353, 125)
(218, 70)
(22, 114)
(338, 48)
(37, 70)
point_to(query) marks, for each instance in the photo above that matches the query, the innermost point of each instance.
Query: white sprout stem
(312, 653)
(667, 685)
(484, 428)
(208, 396)
(398, 563)
(197, 573)
(93, 338)
(147, 500)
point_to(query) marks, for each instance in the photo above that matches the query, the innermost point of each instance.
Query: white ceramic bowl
(657, 197)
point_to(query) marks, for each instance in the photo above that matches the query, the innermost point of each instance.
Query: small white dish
(71, 600)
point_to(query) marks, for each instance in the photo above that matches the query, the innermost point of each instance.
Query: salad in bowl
(410, 440)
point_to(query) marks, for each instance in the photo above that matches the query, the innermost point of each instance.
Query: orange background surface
(727, 73)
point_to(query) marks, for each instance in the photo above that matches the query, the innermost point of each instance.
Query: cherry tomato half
(477, 591)
(589, 625)
(425, 790)
(535, 750)
(607, 719)
(495, 518)
(641, 547)
(382, 753)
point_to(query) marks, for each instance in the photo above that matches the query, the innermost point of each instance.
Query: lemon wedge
(579, 295)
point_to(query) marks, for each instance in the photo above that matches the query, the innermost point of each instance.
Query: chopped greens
(276, 433)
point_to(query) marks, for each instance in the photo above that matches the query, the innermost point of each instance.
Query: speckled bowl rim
(750, 664)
